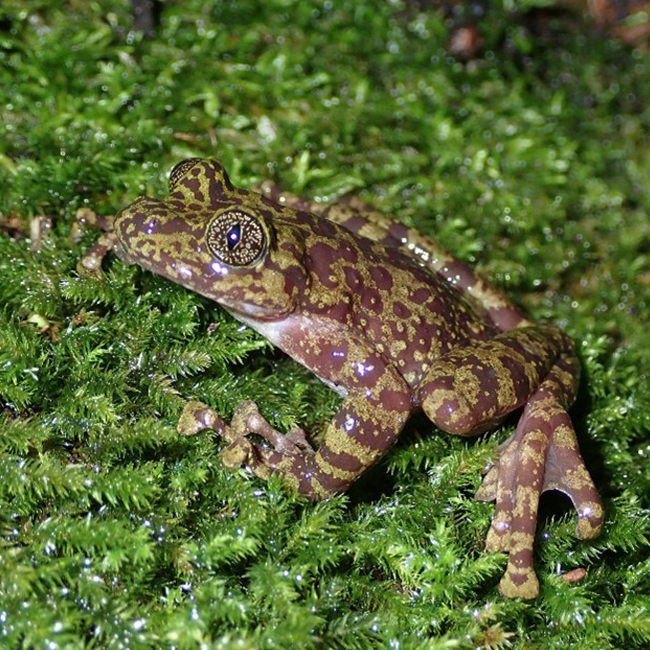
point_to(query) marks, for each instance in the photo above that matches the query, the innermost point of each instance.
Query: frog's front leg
(91, 263)
(367, 423)
(470, 387)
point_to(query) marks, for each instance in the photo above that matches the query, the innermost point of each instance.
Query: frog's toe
(488, 489)
(196, 417)
(515, 482)
(512, 533)
(297, 439)
(90, 266)
(237, 453)
(519, 581)
(503, 484)
(590, 520)
(566, 472)
(247, 419)
(498, 537)
(542, 455)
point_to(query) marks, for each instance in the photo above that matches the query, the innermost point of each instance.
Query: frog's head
(227, 244)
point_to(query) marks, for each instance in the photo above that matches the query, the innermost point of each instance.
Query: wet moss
(530, 161)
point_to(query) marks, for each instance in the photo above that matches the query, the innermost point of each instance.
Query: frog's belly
(281, 333)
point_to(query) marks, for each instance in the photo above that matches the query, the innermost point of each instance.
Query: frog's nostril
(151, 226)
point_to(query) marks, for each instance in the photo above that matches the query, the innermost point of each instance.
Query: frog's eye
(179, 171)
(236, 238)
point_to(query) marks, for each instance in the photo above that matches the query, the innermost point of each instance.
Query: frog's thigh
(473, 386)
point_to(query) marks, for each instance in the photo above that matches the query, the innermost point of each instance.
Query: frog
(387, 318)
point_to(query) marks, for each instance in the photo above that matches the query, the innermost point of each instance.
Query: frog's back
(407, 313)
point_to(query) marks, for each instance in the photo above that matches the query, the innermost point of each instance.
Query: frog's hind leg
(473, 386)
(541, 455)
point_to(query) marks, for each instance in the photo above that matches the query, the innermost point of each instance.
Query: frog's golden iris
(236, 238)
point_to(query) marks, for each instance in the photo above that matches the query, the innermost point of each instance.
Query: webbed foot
(541, 455)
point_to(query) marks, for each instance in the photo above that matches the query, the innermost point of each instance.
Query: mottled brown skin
(387, 318)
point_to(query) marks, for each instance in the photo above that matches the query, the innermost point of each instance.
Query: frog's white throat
(281, 333)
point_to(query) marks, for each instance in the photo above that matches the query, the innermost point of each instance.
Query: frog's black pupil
(233, 236)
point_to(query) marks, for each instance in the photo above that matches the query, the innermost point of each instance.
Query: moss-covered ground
(532, 162)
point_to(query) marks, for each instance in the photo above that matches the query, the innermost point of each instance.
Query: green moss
(531, 162)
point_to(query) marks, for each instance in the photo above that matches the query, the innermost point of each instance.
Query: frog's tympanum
(386, 318)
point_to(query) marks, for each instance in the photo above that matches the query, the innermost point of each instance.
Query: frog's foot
(241, 451)
(541, 455)
(90, 264)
